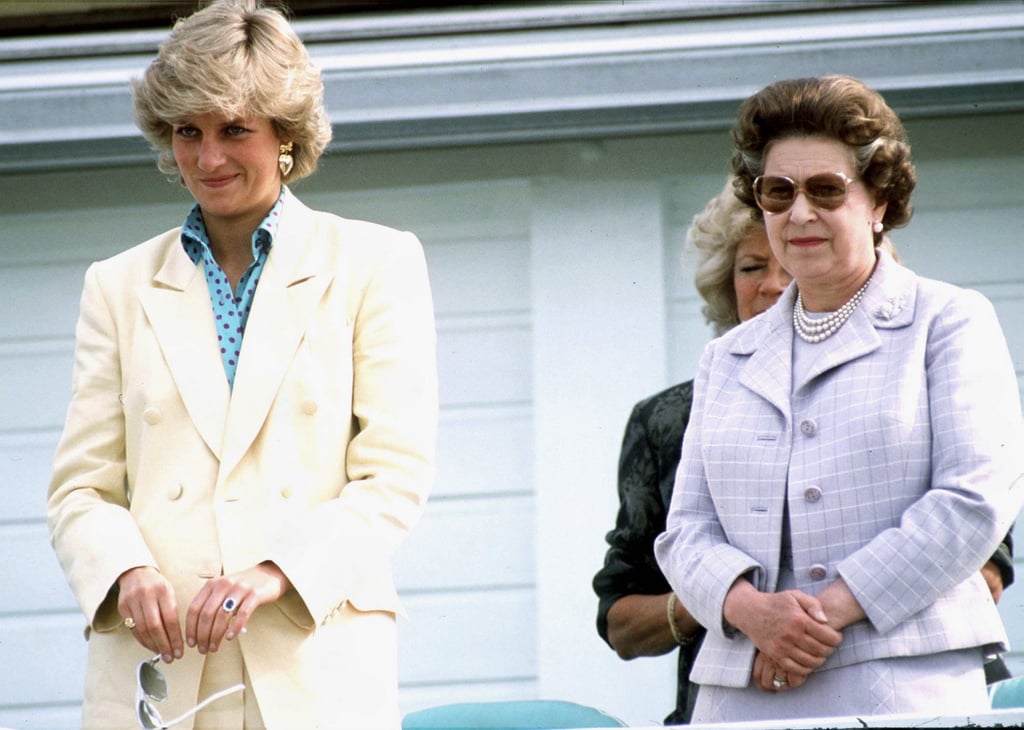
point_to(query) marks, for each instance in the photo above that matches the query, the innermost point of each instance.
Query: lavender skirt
(949, 683)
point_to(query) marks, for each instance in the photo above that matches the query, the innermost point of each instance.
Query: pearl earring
(284, 158)
(877, 226)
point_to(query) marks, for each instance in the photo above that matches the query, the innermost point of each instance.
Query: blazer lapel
(888, 303)
(179, 311)
(294, 280)
(768, 340)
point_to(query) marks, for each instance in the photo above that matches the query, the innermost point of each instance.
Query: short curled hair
(715, 233)
(236, 58)
(837, 107)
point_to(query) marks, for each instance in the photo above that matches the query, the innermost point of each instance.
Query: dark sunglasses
(777, 193)
(152, 687)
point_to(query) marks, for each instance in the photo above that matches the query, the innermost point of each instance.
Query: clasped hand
(147, 597)
(789, 629)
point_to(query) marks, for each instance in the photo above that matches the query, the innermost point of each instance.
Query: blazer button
(174, 492)
(812, 494)
(286, 492)
(808, 427)
(152, 416)
(309, 407)
(817, 572)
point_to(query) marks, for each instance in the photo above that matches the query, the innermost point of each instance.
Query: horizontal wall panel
(36, 385)
(491, 277)
(497, 533)
(48, 294)
(81, 235)
(485, 451)
(469, 212)
(477, 636)
(41, 586)
(483, 363)
(25, 474)
(46, 717)
(43, 657)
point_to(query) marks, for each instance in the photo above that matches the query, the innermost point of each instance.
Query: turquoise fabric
(1007, 693)
(512, 715)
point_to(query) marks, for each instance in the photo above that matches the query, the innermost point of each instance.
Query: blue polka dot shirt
(230, 308)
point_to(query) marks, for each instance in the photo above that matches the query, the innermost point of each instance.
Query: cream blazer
(897, 453)
(320, 459)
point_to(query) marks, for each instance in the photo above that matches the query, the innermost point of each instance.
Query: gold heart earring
(284, 158)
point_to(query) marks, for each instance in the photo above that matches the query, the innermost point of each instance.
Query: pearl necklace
(816, 330)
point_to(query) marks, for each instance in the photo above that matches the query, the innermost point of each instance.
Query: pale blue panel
(485, 451)
(25, 474)
(488, 275)
(36, 388)
(45, 298)
(47, 717)
(484, 363)
(468, 543)
(41, 584)
(42, 659)
(471, 636)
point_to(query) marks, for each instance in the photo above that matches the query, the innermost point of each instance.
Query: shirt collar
(196, 241)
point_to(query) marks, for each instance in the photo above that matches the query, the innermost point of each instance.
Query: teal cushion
(512, 715)
(1007, 693)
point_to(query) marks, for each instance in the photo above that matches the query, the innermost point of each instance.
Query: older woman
(638, 615)
(252, 425)
(854, 454)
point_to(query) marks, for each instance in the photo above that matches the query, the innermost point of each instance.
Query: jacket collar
(767, 340)
(295, 277)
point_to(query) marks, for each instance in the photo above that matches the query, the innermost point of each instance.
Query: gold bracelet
(673, 626)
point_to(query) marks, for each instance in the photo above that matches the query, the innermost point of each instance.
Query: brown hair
(837, 107)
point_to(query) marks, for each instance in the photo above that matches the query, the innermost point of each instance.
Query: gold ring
(129, 623)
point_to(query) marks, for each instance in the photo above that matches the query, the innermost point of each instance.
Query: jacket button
(808, 427)
(309, 407)
(286, 492)
(152, 416)
(174, 492)
(812, 494)
(818, 572)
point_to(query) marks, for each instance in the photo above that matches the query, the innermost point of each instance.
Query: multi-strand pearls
(816, 330)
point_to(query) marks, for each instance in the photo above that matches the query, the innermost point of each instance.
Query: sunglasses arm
(212, 698)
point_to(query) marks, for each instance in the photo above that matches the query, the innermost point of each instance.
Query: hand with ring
(223, 606)
(146, 600)
(770, 677)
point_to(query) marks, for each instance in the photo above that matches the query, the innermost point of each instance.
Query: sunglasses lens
(826, 191)
(152, 682)
(774, 194)
(149, 718)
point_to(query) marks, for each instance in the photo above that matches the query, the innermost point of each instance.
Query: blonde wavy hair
(239, 59)
(715, 233)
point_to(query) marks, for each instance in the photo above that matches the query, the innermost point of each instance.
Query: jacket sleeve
(976, 468)
(94, 535)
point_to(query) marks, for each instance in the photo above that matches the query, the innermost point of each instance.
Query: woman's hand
(638, 625)
(208, 621)
(789, 628)
(147, 598)
(766, 671)
(994, 578)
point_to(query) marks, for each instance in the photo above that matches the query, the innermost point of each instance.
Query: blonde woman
(252, 425)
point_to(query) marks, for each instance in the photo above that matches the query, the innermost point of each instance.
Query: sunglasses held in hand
(152, 687)
(777, 193)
